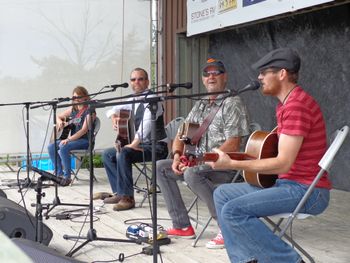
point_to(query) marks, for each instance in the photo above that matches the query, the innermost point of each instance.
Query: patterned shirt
(231, 120)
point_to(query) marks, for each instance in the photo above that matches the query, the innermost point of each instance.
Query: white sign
(207, 15)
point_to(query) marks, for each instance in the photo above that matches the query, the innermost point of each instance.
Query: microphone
(173, 86)
(251, 86)
(48, 176)
(62, 99)
(123, 85)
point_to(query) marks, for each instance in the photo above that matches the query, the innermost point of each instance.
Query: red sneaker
(217, 242)
(187, 232)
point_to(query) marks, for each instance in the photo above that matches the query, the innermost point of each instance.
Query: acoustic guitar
(186, 132)
(125, 132)
(62, 133)
(260, 145)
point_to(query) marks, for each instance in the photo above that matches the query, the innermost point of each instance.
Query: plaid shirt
(231, 120)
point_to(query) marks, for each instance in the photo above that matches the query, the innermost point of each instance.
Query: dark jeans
(119, 166)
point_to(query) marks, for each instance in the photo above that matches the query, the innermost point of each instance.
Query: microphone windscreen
(255, 84)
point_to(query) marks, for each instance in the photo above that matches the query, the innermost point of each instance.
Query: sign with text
(207, 15)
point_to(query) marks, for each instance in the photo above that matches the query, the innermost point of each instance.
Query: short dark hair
(141, 69)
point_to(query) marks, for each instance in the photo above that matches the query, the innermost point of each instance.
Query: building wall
(173, 22)
(322, 38)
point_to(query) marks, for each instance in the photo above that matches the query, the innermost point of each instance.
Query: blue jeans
(119, 167)
(64, 157)
(239, 207)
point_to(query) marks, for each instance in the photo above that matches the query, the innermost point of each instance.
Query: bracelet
(68, 139)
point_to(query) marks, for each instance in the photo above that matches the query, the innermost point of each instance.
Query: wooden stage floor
(325, 237)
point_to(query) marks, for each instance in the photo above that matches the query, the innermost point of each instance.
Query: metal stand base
(56, 202)
(92, 236)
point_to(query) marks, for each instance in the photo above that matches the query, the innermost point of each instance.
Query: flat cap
(279, 58)
(216, 63)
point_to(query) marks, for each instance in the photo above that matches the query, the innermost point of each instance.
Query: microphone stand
(27, 182)
(38, 211)
(56, 201)
(92, 234)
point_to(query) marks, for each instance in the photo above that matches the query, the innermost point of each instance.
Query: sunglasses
(212, 72)
(139, 79)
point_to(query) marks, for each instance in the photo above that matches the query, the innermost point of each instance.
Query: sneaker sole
(215, 246)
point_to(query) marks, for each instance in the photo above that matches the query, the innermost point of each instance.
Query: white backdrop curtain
(47, 47)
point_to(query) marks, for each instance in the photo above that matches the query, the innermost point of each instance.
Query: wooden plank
(326, 236)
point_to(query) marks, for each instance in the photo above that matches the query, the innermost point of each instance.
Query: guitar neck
(239, 156)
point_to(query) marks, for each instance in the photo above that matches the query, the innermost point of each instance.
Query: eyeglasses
(212, 72)
(264, 72)
(139, 79)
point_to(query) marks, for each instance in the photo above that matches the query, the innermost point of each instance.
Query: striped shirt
(302, 116)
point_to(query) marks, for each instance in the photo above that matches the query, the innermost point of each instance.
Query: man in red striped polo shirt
(302, 143)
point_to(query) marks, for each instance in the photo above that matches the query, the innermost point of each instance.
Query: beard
(270, 90)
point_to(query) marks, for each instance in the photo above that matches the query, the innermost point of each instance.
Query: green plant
(97, 161)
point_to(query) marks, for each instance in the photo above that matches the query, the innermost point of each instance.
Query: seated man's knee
(125, 153)
(232, 210)
(191, 176)
(108, 155)
(218, 195)
(162, 164)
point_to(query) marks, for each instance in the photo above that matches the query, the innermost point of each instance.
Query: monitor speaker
(40, 253)
(2, 194)
(16, 222)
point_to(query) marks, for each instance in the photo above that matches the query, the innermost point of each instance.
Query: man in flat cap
(226, 130)
(302, 143)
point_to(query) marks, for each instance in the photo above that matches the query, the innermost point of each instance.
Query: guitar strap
(198, 135)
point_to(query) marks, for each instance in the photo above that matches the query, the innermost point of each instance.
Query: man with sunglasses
(226, 131)
(301, 145)
(118, 162)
